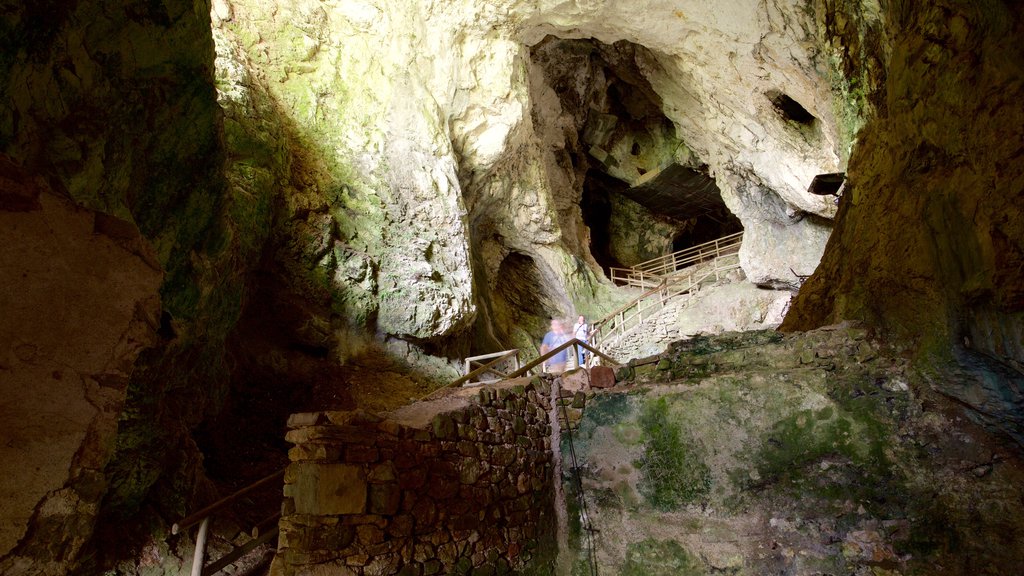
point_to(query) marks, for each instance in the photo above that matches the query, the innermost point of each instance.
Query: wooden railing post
(672, 281)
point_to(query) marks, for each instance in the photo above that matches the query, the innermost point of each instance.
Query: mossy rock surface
(836, 455)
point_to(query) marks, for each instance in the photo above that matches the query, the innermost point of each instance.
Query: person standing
(553, 339)
(581, 332)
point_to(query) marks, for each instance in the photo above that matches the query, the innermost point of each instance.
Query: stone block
(444, 426)
(382, 474)
(519, 425)
(385, 564)
(414, 569)
(358, 453)
(425, 513)
(467, 448)
(441, 487)
(575, 380)
(625, 374)
(392, 428)
(413, 478)
(328, 489)
(469, 471)
(303, 419)
(602, 377)
(384, 498)
(579, 400)
(369, 535)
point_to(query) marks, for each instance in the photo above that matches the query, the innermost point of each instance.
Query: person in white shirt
(581, 331)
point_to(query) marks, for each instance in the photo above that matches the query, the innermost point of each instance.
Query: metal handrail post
(197, 558)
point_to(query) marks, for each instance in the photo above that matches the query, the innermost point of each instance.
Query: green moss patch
(673, 469)
(659, 558)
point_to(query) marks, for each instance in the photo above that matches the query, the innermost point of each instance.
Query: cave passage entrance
(645, 194)
(526, 298)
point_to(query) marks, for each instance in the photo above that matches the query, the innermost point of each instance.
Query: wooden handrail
(543, 358)
(202, 517)
(667, 289)
(486, 367)
(196, 517)
(237, 553)
(669, 264)
(687, 252)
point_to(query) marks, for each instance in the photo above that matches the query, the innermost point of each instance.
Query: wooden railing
(649, 274)
(654, 300)
(262, 533)
(499, 357)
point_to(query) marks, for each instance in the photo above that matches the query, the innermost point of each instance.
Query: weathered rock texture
(79, 295)
(392, 183)
(449, 486)
(814, 453)
(108, 128)
(390, 195)
(931, 236)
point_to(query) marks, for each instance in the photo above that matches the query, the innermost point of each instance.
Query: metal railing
(262, 533)
(649, 274)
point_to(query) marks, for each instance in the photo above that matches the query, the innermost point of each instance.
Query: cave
(790, 109)
(244, 239)
(525, 294)
(633, 155)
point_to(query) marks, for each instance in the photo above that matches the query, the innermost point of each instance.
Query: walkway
(666, 278)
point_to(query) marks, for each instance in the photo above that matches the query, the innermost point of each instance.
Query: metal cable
(586, 524)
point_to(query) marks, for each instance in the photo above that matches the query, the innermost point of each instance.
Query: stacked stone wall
(469, 493)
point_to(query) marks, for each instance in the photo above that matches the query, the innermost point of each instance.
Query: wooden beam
(508, 354)
(198, 516)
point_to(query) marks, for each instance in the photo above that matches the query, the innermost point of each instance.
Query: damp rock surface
(808, 453)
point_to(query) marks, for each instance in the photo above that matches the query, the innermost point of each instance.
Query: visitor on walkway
(553, 339)
(581, 331)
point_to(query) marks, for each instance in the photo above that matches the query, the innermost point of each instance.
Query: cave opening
(706, 229)
(645, 193)
(524, 297)
(790, 109)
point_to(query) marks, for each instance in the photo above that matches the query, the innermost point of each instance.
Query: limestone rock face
(80, 301)
(390, 236)
(829, 455)
(636, 235)
(931, 234)
(108, 117)
(438, 140)
(405, 177)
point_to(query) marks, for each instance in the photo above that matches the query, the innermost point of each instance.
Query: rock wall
(931, 236)
(80, 301)
(451, 486)
(366, 171)
(493, 159)
(810, 453)
(636, 235)
(110, 127)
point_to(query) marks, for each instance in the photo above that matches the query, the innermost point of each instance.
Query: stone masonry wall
(469, 490)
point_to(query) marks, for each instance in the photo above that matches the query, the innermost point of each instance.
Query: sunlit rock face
(931, 237)
(444, 137)
(407, 176)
